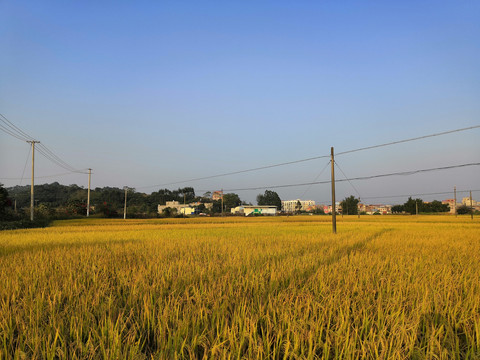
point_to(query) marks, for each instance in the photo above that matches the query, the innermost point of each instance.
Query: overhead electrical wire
(312, 158)
(25, 166)
(16, 132)
(41, 177)
(316, 178)
(407, 140)
(237, 172)
(354, 188)
(8, 127)
(400, 173)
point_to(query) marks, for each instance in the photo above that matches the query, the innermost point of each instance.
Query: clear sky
(147, 93)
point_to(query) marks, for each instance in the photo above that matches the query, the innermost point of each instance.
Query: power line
(313, 158)
(354, 188)
(11, 133)
(423, 194)
(238, 172)
(10, 128)
(316, 178)
(407, 140)
(401, 173)
(25, 166)
(14, 127)
(43, 177)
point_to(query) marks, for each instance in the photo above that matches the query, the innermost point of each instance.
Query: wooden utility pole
(125, 207)
(471, 205)
(455, 200)
(416, 208)
(88, 192)
(32, 196)
(334, 208)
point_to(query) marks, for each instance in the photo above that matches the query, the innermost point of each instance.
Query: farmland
(279, 287)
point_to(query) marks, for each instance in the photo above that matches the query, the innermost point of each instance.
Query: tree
(269, 198)
(397, 209)
(4, 202)
(350, 205)
(464, 209)
(231, 200)
(298, 207)
(411, 205)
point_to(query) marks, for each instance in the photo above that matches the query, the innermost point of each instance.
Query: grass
(384, 287)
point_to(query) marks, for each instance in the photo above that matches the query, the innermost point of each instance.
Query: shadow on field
(357, 247)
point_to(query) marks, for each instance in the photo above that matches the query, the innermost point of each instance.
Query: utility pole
(15, 206)
(222, 202)
(455, 200)
(184, 205)
(125, 207)
(358, 210)
(416, 208)
(88, 193)
(32, 202)
(471, 205)
(334, 209)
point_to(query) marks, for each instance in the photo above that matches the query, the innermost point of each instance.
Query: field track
(400, 287)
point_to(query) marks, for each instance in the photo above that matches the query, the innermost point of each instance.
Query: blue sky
(149, 93)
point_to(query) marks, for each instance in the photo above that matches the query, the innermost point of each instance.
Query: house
(248, 210)
(290, 206)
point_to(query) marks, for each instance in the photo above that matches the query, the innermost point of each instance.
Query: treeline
(411, 206)
(56, 200)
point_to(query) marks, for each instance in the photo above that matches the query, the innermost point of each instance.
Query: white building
(248, 210)
(290, 206)
(466, 201)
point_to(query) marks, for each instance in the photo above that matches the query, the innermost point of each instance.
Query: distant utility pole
(358, 210)
(184, 205)
(471, 205)
(334, 208)
(222, 202)
(416, 208)
(455, 200)
(32, 201)
(88, 193)
(125, 207)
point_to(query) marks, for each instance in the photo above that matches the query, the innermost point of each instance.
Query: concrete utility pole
(222, 202)
(32, 201)
(334, 209)
(471, 205)
(125, 207)
(88, 193)
(455, 200)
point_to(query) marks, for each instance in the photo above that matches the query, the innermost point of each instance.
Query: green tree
(397, 209)
(270, 198)
(350, 205)
(464, 209)
(298, 207)
(231, 200)
(4, 202)
(411, 205)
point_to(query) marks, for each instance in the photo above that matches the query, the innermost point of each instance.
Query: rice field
(384, 287)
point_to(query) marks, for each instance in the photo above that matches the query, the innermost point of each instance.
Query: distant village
(302, 206)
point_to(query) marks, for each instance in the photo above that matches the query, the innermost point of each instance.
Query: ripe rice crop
(384, 287)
